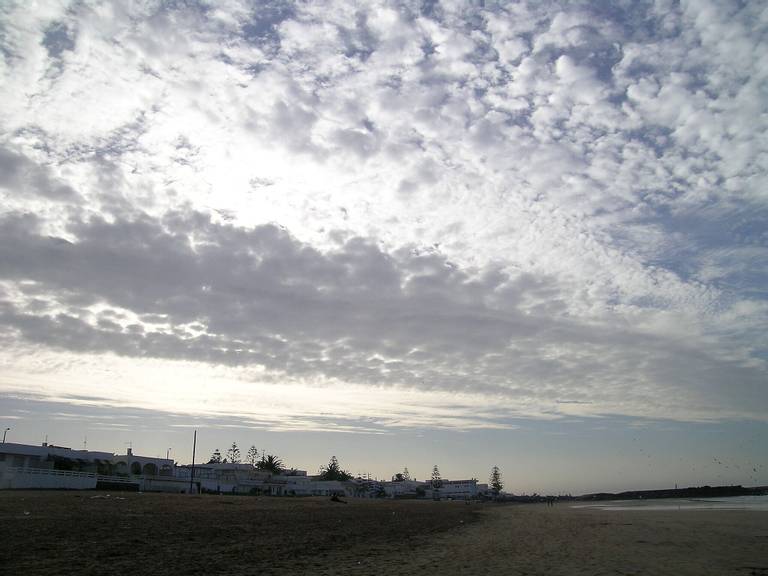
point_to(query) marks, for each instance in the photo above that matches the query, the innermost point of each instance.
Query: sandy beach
(92, 533)
(534, 539)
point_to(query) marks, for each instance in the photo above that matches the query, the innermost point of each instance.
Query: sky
(524, 234)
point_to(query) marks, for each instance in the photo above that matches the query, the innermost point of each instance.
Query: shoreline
(751, 503)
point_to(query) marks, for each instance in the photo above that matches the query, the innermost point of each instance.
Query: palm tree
(270, 463)
(333, 471)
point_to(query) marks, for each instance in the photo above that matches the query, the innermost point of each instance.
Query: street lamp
(4, 433)
(168, 454)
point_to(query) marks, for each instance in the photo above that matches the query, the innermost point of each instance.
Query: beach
(118, 533)
(535, 539)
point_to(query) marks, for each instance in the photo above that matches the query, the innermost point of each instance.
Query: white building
(405, 489)
(48, 456)
(225, 478)
(303, 485)
(56, 467)
(134, 465)
(456, 489)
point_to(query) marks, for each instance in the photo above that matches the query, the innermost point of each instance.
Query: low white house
(456, 489)
(47, 466)
(57, 467)
(302, 485)
(130, 463)
(47, 456)
(225, 478)
(405, 488)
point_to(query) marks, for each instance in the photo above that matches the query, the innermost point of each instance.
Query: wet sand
(88, 533)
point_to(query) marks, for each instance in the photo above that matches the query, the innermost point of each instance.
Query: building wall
(13, 478)
(458, 489)
(27, 466)
(403, 488)
(141, 465)
(171, 485)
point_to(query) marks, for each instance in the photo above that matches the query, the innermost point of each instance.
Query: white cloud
(614, 155)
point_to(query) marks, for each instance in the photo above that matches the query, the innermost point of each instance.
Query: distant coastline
(690, 492)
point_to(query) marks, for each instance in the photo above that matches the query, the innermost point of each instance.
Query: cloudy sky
(525, 234)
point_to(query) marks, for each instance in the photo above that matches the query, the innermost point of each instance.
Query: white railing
(16, 477)
(120, 479)
(49, 472)
(74, 474)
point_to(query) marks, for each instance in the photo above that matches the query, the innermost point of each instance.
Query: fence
(19, 478)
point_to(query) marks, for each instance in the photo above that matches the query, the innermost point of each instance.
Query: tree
(270, 463)
(402, 476)
(252, 457)
(215, 457)
(233, 454)
(437, 481)
(495, 480)
(333, 471)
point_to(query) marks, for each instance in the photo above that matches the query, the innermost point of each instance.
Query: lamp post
(4, 433)
(192, 475)
(168, 454)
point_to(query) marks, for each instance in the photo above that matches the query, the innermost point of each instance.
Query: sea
(723, 503)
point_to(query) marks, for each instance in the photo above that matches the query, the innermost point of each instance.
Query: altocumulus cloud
(187, 288)
(542, 201)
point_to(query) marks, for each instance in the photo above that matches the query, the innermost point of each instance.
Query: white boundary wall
(12, 478)
(15, 478)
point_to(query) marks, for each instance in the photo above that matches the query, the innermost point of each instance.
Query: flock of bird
(753, 472)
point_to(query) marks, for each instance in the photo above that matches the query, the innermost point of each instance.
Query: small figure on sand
(335, 498)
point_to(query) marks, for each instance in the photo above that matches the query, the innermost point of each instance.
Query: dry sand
(86, 533)
(535, 539)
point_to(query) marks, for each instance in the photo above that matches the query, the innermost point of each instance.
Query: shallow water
(723, 503)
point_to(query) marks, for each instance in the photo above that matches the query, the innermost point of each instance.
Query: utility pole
(192, 475)
(4, 433)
